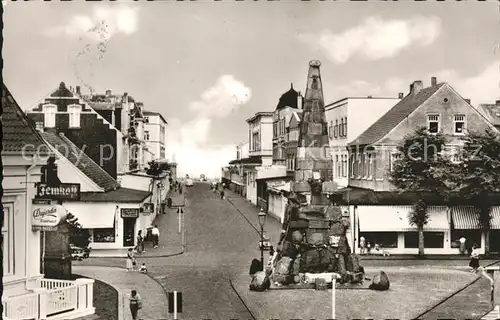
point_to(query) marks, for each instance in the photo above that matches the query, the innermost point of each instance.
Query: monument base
(57, 266)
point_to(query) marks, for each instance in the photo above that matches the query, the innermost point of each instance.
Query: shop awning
(90, 218)
(237, 182)
(495, 218)
(465, 218)
(395, 219)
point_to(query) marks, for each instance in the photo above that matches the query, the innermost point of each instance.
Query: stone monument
(313, 238)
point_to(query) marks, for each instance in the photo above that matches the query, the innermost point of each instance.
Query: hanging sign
(129, 212)
(148, 208)
(63, 191)
(47, 217)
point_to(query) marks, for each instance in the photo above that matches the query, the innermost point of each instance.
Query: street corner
(412, 292)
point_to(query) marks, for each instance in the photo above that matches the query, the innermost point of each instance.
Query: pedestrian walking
(474, 259)
(131, 262)
(140, 242)
(135, 304)
(368, 248)
(156, 236)
(222, 194)
(462, 245)
(362, 245)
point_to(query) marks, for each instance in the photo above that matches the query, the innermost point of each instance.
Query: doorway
(494, 243)
(128, 232)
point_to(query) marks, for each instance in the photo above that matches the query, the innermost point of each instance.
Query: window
(146, 135)
(49, 115)
(341, 127)
(360, 167)
(471, 237)
(394, 157)
(331, 129)
(433, 123)
(283, 126)
(146, 119)
(336, 129)
(74, 116)
(163, 155)
(345, 127)
(337, 165)
(383, 239)
(104, 235)
(431, 239)
(459, 124)
(8, 239)
(275, 129)
(344, 165)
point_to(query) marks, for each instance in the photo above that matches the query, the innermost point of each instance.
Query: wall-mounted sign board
(129, 212)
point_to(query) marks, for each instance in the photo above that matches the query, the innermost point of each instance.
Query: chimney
(416, 86)
(401, 95)
(369, 97)
(78, 90)
(434, 81)
(299, 101)
(467, 100)
(497, 102)
(108, 93)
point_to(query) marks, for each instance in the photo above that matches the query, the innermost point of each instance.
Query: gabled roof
(17, 130)
(62, 92)
(491, 112)
(149, 113)
(83, 162)
(395, 115)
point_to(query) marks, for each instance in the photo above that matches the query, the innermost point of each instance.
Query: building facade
(340, 133)
(439, 108)
(155, 135)
(27, 294)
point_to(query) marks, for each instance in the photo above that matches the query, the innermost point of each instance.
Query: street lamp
(262, 221)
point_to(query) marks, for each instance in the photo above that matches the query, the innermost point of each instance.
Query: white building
(155, 128)
(26, 293)
(340, 134)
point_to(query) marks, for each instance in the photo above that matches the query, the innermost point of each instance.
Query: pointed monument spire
(313, 157)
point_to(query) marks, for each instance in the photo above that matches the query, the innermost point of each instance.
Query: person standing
(135, 304)
(130, 260)
(362, 245)
(140, 242)
(222, 194)
(474, 259)
(156, 236)
(462, 245)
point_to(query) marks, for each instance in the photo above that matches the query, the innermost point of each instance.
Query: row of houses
(363, 135)
(84, 155)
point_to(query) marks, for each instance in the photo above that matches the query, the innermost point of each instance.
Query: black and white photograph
(250, 160)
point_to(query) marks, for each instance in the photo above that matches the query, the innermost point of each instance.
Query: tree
(421, 167)
(78, 236)
(479, 174)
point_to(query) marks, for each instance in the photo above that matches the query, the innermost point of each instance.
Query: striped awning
(395, 219)
(465, 218)
(495, 218)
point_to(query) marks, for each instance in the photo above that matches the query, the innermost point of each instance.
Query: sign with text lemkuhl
(63, 191)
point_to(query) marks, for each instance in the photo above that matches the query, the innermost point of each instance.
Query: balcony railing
(52, 299)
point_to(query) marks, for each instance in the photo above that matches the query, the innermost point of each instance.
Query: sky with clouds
(209, 66)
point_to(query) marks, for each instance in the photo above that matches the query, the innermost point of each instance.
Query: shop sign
(63, 191)
(47, 217)
(41, 201)
(148, 208)
(129, 212)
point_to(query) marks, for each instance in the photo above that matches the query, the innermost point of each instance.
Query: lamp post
(262, 221)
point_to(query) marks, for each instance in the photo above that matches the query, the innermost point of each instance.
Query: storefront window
(431, 240)
(471, 237)
(383, 239)
(104, 235)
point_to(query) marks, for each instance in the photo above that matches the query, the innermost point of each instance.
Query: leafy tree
(78, 236)
(479, 174)
(421, 167)
(154, 169)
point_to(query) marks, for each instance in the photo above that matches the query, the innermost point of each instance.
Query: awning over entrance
(495, 218)
(93, 218)
(395, 219)
(465, 218)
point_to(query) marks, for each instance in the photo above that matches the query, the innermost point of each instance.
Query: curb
(455, 293)
(241, 299)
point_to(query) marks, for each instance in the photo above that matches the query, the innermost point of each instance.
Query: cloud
(375, 38)
(105, 22)
(482, 87)
(221, 99)
(190, 141)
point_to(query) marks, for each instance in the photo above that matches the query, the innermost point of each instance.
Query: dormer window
(49, 111)
(74, 116)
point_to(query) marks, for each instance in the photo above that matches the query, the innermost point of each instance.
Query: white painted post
(175, 305)
(121, 306)
(179, 218)
(334, 281)
(42, 302)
